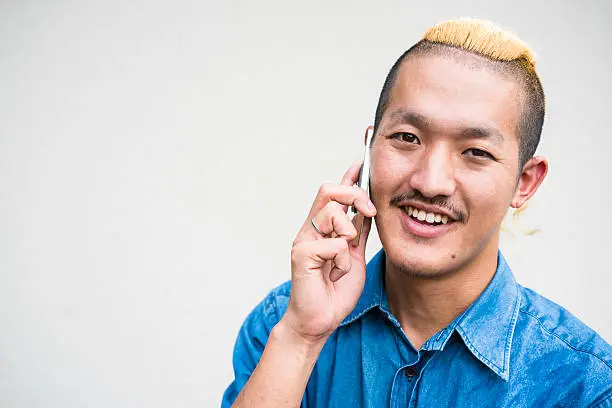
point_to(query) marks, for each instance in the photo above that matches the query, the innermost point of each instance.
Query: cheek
(487, 193)
(389, 171)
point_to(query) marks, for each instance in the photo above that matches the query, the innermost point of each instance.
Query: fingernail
(371, 206)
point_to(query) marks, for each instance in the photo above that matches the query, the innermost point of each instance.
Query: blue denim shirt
(510, 348)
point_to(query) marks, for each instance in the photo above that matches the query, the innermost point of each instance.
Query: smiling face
(446, 149)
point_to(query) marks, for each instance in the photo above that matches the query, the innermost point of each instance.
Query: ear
(532, 175)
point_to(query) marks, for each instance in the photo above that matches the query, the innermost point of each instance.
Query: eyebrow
(407, 116)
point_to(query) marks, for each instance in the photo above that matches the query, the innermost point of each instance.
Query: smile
(426, 224)
(428, 217)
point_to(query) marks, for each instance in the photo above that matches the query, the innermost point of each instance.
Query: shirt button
(410, 371)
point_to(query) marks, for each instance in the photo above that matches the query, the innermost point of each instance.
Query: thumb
(359, 249)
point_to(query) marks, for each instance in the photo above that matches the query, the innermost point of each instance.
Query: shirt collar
(486, 327)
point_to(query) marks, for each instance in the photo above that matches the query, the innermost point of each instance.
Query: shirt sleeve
(250, 343)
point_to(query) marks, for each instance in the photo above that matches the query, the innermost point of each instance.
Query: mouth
(425, 224)
(424, 217)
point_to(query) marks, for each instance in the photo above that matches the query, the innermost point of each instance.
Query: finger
(357, 221)
(311, 256)
(363, 238)
(351, 177)
(332, 219)
(352, 174)
(345, 195)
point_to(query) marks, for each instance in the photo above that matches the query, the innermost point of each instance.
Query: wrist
(308, 347)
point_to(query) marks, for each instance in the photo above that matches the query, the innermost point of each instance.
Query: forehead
(457, 90)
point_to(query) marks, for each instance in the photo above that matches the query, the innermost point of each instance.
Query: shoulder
(551, 342)
(277, 300)
(562, 327)
(256, 328)
(253, 336)
(270, 309)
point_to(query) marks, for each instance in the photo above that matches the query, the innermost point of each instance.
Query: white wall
(157, 158)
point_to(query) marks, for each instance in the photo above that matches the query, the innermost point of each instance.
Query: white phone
(364, 183)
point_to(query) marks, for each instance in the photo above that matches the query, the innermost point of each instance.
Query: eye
(479, 153)
(406, 137)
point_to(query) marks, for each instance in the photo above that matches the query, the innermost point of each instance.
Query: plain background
(157, 159)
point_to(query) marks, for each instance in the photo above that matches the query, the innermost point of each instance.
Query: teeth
(428, 217)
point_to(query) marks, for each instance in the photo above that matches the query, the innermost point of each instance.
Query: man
(436, 318)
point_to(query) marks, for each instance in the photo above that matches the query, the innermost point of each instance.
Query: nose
(433, 173)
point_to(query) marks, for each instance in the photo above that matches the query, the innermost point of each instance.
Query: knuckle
(324, 190)
(341, 245)
(338, 224)
(298, 240)
(328, 208)
(345, 226)
(335, 208)
(324, 220)
(297, 252)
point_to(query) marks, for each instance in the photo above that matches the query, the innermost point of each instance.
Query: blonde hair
(484, 38)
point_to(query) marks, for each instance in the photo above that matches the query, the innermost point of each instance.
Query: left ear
(532, 175)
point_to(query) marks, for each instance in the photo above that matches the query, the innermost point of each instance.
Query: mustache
(438, 201)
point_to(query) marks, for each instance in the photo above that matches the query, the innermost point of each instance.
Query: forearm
(280, 378)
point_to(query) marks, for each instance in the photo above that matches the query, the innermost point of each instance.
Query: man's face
(446, 148)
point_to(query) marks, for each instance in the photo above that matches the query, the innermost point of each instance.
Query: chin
(423, 260)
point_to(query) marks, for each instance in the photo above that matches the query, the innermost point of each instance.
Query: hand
(327, 271)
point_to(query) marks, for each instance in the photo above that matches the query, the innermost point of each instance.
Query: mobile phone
(363, 183)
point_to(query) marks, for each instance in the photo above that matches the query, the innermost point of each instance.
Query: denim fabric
(510, 348)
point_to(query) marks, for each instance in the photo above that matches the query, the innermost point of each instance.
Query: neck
(425, 305)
